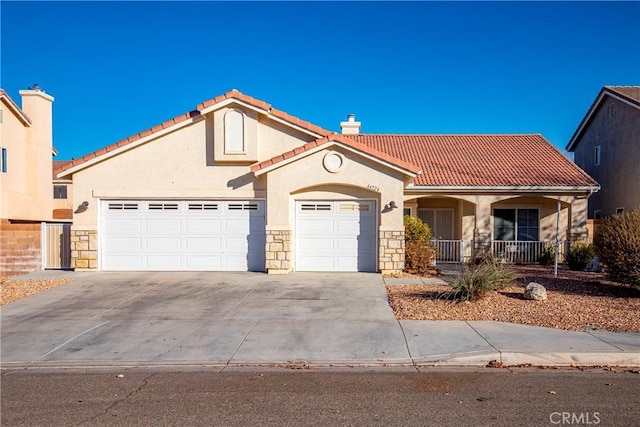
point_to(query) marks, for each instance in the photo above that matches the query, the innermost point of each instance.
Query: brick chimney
(350, 127)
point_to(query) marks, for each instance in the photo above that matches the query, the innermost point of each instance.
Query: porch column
(482, 234)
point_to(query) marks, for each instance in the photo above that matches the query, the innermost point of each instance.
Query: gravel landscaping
(15, 290)
(577, 301)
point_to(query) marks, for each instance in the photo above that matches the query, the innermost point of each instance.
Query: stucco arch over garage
(347, 175)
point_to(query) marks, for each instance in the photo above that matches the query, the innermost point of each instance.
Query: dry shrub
(418, 249)
(473, 284)
(617, 242)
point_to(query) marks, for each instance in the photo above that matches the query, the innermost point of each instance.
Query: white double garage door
(216, 235)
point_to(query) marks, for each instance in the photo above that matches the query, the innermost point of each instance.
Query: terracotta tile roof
(232, 94)
(14, 106)
(59, 166)
(631, 93)
(481, 160)
(334, 137)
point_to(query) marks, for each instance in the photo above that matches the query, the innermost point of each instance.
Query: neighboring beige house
(239, 185)
(607, 146)
(26, 192)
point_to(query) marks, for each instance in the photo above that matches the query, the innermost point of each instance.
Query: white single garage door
(336, 235)
(182, 235)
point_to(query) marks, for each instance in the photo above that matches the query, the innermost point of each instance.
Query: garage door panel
(183, 235)
(311, 226)
(203, 243)
(202, 225)
(204, 262)
(349, 245)
(125, 225)
(123, 243)
(163, 244)
(318, 263)
(164, 262)
(123, 262)
(312, 243)
(164, 226)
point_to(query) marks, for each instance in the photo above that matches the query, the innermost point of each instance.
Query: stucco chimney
(37, 105)
(350, 127)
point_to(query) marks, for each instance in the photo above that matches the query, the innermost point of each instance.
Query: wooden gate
(56, 246)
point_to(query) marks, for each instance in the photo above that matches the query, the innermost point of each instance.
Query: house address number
(373, 187)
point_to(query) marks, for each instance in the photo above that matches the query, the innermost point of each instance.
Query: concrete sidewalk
(240, 319)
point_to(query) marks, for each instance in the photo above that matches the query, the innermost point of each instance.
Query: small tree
(617, 242)
(418, 250)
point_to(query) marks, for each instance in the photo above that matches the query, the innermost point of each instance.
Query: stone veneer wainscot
(84, 249)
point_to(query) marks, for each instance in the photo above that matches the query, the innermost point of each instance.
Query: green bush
(473, 284)
(415, 229)
(418, 249)
(617, 242)
(579, 256)
(547, 256)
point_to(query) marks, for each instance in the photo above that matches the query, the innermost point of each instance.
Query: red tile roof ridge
(232, 94)
(336, 137)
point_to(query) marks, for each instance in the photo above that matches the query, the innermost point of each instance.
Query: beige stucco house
(239, 185)
(606, 145)
(26, 186)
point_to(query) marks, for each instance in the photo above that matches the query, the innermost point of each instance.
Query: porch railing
(526, 252)
(453, 250)
(459, 251)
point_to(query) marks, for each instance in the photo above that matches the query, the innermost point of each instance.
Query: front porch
(517, 228)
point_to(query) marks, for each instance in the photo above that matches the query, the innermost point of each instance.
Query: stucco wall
(26, 187)
(618, 173)
(360, 177)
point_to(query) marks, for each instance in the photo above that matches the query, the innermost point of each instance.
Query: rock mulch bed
(15, 290)
(577, 301)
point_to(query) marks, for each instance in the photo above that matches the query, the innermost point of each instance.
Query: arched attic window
(234, 132)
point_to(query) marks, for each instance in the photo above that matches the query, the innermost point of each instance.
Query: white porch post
(555, 266)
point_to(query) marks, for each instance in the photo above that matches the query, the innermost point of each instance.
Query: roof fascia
(15, 109)
(259, 110)
(328, 145)
(594, 107)
(129, 146)
(500, 188)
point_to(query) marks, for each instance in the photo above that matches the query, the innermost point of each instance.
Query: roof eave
(605, 91)
(503, 188)
(306, 153)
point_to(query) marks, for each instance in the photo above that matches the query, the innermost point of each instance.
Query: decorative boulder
(535, 291)
(594, 265)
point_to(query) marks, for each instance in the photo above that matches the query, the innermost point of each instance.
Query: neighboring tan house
(26, 189)
(607, 146)
(239, 185)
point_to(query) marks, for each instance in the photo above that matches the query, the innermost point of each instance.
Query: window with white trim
(521, 225)
(234, 132)
(3, 160)
(619, 211)
(596, 155)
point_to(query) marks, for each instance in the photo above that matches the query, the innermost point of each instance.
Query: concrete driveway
(204, 318)
(153, 319)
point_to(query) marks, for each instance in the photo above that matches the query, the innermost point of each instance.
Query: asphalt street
(288, 397)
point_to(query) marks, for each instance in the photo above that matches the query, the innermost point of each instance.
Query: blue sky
(117, 68)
